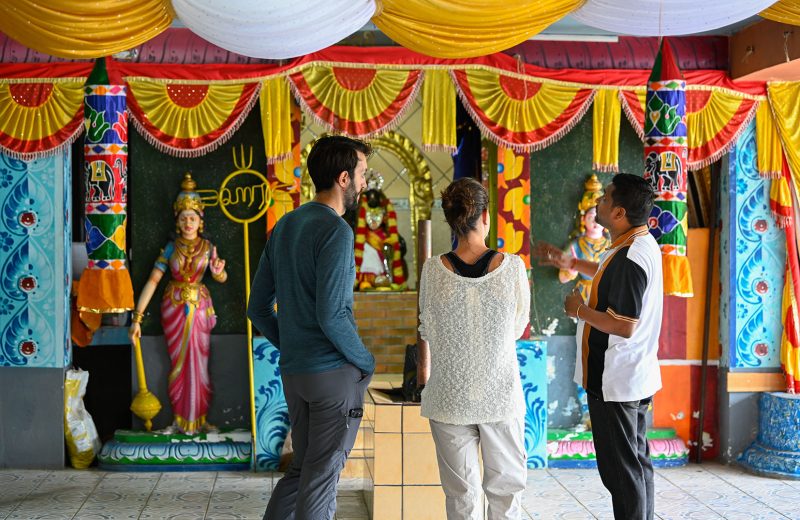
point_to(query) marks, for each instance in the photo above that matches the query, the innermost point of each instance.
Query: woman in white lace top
(474, 303)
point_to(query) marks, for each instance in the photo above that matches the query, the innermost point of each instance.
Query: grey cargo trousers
(324, 411)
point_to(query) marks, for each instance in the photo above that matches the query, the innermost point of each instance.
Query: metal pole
(423, 253)
(712, 237)
(491, 166)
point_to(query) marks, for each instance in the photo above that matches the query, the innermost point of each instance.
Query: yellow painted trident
(225, 197)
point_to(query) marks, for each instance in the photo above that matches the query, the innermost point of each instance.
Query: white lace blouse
(471, 325)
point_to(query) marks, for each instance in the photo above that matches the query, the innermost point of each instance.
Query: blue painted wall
(35, 261)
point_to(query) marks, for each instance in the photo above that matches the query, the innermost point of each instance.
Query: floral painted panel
(34, 261)
(272, 415)
(753, 256)
(532, 358)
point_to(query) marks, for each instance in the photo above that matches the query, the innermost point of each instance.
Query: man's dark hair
(635, 195)
(330, 156)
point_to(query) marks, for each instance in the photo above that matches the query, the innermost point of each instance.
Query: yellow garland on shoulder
(438, 112)
(464, 28)
(784, 11)
(276, 119)
(606, 115)
(768, 144)
(80, 29)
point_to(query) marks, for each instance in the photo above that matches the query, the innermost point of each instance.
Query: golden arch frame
(420, 192)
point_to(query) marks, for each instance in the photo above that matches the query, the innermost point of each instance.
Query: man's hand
(548, 254)
(571, 303)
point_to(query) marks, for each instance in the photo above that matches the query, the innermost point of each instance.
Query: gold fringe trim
(711, 159)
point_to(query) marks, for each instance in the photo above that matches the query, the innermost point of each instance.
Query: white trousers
(502, 447)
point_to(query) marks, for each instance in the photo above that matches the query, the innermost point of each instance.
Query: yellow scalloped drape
(785, 11)
(81, 29)
(438, 111)
(189, 120)
(363, 102)
(606, 114)
(519, 114)
(39, 118)
(276, 119)
(768, 144)
(465, 28)
(714, 121)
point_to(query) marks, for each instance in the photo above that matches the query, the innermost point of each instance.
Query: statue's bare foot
(209, 428)
(171, 429)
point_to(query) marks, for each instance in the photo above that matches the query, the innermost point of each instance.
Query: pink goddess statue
(187, 314)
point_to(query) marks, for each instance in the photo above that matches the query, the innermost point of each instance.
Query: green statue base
(229, 450)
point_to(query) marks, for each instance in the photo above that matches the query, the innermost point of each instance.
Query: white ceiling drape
(275, 29)
(666, 17)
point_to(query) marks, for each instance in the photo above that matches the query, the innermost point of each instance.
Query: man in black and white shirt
(617, 341)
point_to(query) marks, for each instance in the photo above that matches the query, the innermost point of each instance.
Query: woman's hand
(135, 332)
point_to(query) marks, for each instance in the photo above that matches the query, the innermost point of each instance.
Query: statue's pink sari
(187, 317)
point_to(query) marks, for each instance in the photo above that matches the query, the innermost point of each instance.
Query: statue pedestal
(153, 451)
(569, 449)
(776, 451)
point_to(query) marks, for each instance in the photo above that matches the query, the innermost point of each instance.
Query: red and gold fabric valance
(189, 120)
(523, 115)
(361, 102)
(38, 118)
(715, 119)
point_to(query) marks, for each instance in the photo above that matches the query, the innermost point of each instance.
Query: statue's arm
(145, 296)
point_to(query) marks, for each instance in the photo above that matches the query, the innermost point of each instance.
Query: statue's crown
(188, 198)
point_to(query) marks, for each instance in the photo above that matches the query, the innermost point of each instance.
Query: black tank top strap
(476, 270)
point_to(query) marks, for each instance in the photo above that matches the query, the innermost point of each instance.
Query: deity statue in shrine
(589, 242)
(187, 314)
(379, 248)
(589, 238)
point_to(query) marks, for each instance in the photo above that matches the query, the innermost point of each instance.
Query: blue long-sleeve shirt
(308, 267)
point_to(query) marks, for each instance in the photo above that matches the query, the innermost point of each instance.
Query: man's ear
(342, 178)
(620, 213)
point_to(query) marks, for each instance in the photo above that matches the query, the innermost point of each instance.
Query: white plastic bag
(83, 443)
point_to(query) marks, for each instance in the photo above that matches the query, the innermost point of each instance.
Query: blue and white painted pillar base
(776, 451)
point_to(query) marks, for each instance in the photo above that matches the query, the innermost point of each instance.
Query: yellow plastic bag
(83, 443)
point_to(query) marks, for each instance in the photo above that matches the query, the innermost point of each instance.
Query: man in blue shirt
(308, 268)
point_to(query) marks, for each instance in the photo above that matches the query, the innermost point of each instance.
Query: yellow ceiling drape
(465, 28)
(438, 112)
(606, 115)
(785, 11)
(783, 98)
(768, 144)
(81, 29)
(276, 119)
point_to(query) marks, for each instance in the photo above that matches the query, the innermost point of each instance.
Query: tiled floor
(710, 491)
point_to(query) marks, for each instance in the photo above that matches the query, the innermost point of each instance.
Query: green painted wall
(557, 176)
